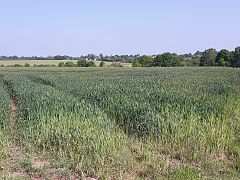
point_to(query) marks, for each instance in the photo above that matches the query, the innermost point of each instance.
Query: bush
(26, 65)
(167, 60)
(102, 64)
(17, 65)
(85, 63)
(91, 64)
(143, 61)
(61, 64)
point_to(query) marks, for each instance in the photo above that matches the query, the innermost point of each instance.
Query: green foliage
(167, 60)
(143, 61)
(224, 58)
(85, 63)
(91, 64)
(136, 64)
(195, 61)
(236, 62)
(17, 65)
(102, 64)
(70, 64)
(208, 57)
(61, 64)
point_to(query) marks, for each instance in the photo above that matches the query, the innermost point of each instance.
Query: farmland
(46, 62)
(121, 123)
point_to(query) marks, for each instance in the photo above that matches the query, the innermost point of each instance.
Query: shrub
(26, 65)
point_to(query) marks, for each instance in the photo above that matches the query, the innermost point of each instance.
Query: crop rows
(4, 115)
(119, 121)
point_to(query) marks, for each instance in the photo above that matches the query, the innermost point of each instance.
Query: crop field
(122, 123)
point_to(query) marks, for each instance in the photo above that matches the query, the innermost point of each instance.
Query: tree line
(209, 57)
(80, 63)
(90, 57)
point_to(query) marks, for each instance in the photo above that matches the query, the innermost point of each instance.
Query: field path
(23, 165)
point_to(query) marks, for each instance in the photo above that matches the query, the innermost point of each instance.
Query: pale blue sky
(76, 27)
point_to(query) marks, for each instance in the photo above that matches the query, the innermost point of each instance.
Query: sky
(79, 27)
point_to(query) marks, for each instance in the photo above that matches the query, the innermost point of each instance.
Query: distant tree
(167, 60)
(208, 57)
(85, 63)
(196, 61)
(198, 53)
(26, 65)
(101, 56)
(61, 64)
(224, 58)
(236, 61)
(102, 64)
(136, 64)
(145, 61)
(58, 57)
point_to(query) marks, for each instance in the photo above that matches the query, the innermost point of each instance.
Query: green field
(120, 123)
(46, 62)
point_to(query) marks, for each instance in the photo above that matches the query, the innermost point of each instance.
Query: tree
(58, 57)
(102, 64)
(236, 61)
(196, 61)
(167, 60)
(101, 56)
(145, 61)
(136, 64)
(224, 58)
(198, 53)
(85, 63)
(208, 57)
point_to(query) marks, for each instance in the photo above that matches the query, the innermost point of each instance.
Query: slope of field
(149, 123)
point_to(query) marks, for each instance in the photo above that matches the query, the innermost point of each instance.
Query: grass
(147, 123)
